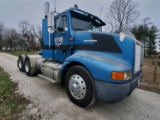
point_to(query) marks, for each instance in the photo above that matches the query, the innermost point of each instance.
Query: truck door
(61, 38)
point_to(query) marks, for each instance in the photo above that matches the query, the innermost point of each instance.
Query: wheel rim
(77, 86)
(27, 66)
(20, 63)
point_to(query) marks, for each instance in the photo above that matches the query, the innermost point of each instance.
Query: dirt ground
(50, 101)
(148, 71)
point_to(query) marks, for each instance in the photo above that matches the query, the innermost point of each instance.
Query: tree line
(27, 37)
(124, 14)
(120, 14)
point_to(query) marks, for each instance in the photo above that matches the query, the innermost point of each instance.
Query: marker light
(70, 38)
(122, 36)
(121, 75)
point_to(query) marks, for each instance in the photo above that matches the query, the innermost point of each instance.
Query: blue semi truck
(89, 63)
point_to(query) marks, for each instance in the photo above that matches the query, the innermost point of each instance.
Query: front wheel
(80, 86)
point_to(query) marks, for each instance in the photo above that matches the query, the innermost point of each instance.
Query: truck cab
(66, 25)
(89, 63)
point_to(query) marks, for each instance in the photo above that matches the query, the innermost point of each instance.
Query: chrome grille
(138, 58)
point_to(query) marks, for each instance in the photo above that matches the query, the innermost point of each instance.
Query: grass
(11, 104)
(19, 52)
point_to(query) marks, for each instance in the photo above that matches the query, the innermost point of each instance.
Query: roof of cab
(82, 11)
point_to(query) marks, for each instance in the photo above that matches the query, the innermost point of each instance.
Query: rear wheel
(30, 69)
(27, 67)
(79, 86)
(20, 64)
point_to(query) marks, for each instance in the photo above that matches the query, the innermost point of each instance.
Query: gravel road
(53, 103)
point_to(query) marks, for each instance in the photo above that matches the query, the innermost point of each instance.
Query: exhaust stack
(46, 9)
(54, 6)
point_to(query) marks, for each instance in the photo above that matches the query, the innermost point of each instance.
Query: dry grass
(11, 104)
(148, 71)
(19, 52)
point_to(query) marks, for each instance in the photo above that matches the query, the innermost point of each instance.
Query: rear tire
(20, 64)
(80, 86)
(30, 69)
(27, 67)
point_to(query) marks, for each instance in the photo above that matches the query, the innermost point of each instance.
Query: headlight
(121, 75)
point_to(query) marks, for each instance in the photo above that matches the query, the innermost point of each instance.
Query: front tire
(80, 86)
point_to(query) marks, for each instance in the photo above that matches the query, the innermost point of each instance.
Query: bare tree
(14, 36)
(146, 21)
(121, 13)
(37, 30)
(11, 37)
(32, 41)
(1, 34)
(26, 31)
(24, 27)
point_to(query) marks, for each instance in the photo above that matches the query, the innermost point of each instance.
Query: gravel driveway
(53, 103)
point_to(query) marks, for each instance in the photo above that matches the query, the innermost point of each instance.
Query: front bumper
(110, 92)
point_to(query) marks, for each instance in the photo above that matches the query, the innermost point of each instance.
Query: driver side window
(61, 24)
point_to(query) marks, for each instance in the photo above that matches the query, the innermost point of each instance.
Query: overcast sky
(12, 11)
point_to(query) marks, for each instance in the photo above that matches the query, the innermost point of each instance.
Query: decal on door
(58, 41)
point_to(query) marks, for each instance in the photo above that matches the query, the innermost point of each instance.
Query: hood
(107, 43)
(95, 41)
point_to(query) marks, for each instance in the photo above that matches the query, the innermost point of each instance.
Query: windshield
(82, 25)
(82, 21)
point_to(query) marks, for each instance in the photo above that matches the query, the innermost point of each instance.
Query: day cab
(89, 63)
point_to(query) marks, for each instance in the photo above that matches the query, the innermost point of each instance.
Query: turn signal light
(118, 75)
(121, 75)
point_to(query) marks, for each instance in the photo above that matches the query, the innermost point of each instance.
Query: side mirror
(51, 22)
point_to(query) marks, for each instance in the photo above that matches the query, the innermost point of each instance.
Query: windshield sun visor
(87, 17)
